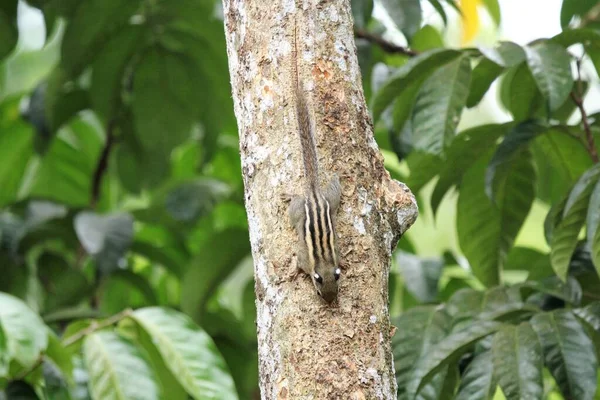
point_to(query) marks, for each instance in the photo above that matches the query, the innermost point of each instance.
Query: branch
(384, 44)
(578, 100)
(590, 143)
(102, 164)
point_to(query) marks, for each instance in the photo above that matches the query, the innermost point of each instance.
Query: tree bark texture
(308, 349)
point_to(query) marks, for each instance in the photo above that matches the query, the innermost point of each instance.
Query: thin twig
(591, 16)
(578, 100)
(385, 45)
(94, 326)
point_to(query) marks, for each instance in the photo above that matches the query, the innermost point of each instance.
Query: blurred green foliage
(124, 252)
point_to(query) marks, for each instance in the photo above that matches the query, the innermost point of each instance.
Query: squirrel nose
(329, 296)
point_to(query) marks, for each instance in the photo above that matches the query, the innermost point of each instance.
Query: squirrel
(313, 213)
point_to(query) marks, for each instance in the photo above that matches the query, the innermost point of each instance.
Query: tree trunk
(307, 348)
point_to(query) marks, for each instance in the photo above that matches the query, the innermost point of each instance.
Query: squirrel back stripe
(305, 124)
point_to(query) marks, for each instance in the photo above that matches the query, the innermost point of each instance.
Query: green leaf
(515, 142)
(520, 95)
(525, 259)
(593, 52)
(406, 14)
(138, 168)
(465, 304)
(124, 288)
(65, 286)
(59, 356)
(108, 71)
(67, 105)
(217, 257)
(493, 9)
(505, 54)
(484, 74)
(179, 205)
(439, 105)
(518, 363)
(19, 390)
(503, 304)
(561, 159)
(202, 47)
(361, 12)
(584, 36)
(16, 149)
(590, 314)
(498, 303)
(421, 275)
(4, 357)
(25, 332)
(572, 8)
(440, 10)
(190, 200)
(427, 38)
(448, 351)
(401, 132)
(65, 172)
(106, 237)
(75, 330)
(62, 100)
(55, 386)
(423, 167)
(51, 228)
(464, 150)
(565, 111)
(92, 25)
(568, 353)
(593, 226)
(478, 381)
(455, 6)
(117, 369)
(243, 363)
(553, 217)
(569, 291)
(168, 383)
(8, 29)
(550, 66)
(416, 68)
(427, 327)
(188, 352)
(159, 245)
(165, 100)
(486, 231)
(565, 233)
(9, 7)
(36, 112)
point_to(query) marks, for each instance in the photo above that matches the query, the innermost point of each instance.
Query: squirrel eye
(318, 278)
(337, 273)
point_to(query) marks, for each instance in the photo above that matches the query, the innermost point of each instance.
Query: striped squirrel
(313, 214)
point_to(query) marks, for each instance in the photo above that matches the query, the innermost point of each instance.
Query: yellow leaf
(470, 19)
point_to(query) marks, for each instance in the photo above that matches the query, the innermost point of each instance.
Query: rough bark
(308, 349)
